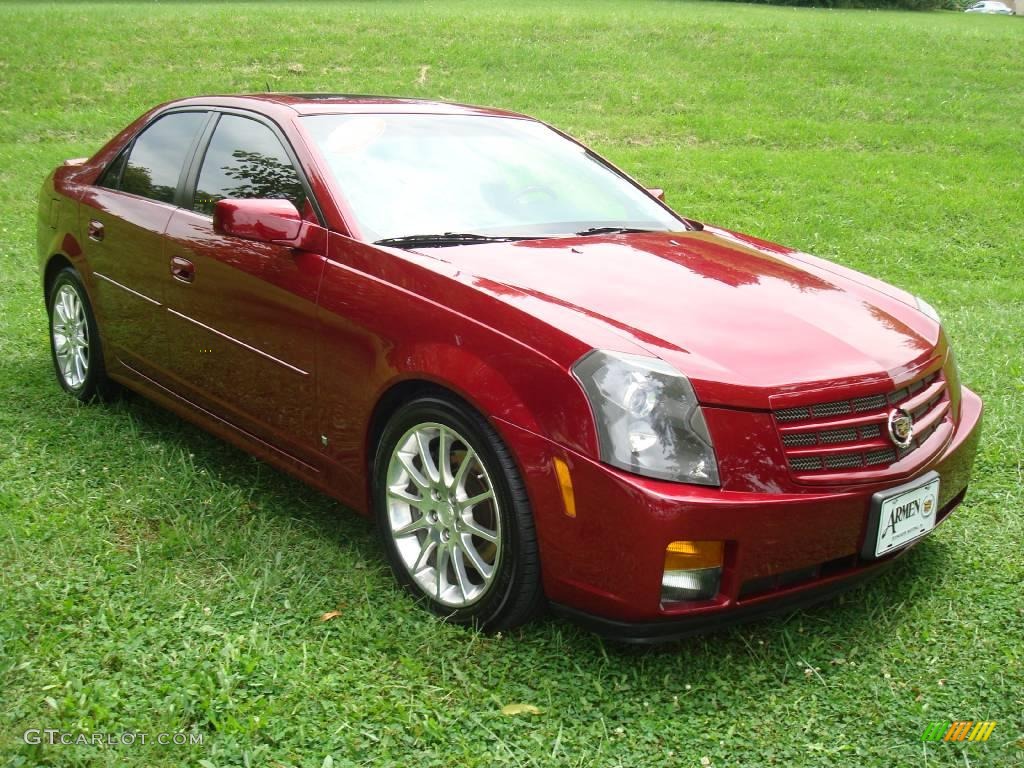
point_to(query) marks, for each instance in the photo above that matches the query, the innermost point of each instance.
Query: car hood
(728, 311)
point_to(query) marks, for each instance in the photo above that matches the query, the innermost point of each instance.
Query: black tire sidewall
(491, 611)
(95, 377)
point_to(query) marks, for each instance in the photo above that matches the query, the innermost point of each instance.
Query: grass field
(153, 579)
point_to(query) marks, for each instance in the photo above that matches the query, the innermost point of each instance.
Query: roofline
(340, 103)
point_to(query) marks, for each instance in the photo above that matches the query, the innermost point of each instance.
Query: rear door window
(158, 155)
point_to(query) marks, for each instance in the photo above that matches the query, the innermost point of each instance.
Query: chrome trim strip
(239, 343)
(126, 288)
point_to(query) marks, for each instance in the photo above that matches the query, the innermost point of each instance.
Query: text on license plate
(906, 515)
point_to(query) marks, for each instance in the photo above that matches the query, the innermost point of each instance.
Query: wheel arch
(393, 398)
(404, 390)
(486, 390)
(57, 262)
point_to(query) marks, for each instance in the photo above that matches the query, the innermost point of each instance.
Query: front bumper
(603, 567)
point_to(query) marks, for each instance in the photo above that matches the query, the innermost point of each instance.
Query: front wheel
(454, 517)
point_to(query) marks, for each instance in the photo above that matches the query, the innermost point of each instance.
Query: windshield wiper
(613, 230)
(445, 239)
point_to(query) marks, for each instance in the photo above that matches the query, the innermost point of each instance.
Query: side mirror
(267, 221)
(659, 194)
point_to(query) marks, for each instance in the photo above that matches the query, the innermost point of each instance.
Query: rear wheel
(75, 340)
(454, 517)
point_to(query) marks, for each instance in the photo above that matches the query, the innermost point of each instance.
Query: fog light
(693, 570)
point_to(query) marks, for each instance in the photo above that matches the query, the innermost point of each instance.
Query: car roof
(340, 103)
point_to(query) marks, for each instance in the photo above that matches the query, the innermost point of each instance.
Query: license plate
(902, 514)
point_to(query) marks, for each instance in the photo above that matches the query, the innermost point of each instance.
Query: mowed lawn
(153, 579)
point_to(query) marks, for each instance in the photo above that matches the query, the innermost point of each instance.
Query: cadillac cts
(545, 385)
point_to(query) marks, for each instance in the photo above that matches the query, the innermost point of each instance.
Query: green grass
(154, 579)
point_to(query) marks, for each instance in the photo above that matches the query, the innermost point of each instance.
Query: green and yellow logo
(959, 730)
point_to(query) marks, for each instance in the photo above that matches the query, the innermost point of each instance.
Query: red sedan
(545, 385)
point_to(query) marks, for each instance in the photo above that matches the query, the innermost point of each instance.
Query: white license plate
(905, 513)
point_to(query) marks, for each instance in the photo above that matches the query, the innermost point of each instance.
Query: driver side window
(245, 160)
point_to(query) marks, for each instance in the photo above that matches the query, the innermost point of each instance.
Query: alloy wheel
(443, 514)
(70, 337)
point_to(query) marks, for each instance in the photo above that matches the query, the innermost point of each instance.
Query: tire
(75, 346)
(429, 514)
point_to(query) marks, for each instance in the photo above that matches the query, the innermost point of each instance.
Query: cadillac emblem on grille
(901, 427)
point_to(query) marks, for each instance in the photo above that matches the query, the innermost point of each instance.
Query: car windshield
(421, 176)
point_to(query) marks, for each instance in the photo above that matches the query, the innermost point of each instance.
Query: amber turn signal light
(688, 555)
(565, 483)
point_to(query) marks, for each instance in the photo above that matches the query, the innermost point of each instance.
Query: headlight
(927, 309)
(647, 416)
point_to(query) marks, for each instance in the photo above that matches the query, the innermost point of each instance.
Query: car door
(243, 313)
(123, 218)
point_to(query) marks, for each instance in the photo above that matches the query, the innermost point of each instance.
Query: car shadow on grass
(129, 427)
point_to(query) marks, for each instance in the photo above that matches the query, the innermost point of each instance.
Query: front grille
(854, 434)
(881, 456)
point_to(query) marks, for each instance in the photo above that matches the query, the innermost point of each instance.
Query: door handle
(182, 269)
(95, 230)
